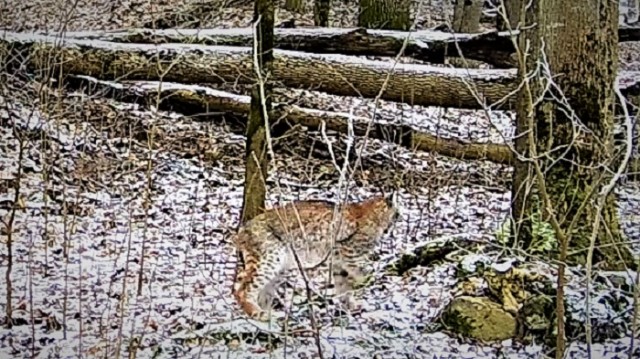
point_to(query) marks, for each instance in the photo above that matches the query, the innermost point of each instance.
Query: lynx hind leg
(256, 280)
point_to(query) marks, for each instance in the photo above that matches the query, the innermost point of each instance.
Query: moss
(536, 319)
(479, 318)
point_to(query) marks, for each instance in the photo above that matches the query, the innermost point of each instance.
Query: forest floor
(121, 239)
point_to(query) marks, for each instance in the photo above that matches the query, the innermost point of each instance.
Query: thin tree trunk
(256, 147)
(511, 11)
(321, 12)
(294, 5)
(523, 186)
(466, 16)
(633, 12)
(385, 14)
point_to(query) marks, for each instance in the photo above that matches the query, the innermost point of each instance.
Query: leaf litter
(78, 242)
(79, 238)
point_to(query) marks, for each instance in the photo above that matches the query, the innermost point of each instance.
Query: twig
(601, 202)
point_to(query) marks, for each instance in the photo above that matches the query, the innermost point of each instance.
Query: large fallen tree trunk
(336, 74)
(426, 45)
(492, 47)
(194, 98)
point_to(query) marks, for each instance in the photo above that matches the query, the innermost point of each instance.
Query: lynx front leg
(255, 280)
(345, 278)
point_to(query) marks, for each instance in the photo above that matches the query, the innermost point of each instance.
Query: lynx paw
(256, 313)
(348, 303)
(261, 316)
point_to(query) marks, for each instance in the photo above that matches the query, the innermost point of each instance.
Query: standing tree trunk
(321, 12)
(294, 5)
(522, 206)
(569, 141)
(510, 10)
(466, 19)
(466, 16)
(256, 147)
(385, 14)
(579, 41)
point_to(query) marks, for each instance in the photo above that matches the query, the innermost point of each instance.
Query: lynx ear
(392, 198)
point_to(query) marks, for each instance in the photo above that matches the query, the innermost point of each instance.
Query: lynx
(308, 234)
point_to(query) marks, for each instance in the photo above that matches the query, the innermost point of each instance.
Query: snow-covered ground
(81, 283)
(111, 254)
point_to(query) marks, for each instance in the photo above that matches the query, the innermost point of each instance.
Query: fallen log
(628, 33)
(203, 99)
(426, 45)
(492, 47)
(335, 74)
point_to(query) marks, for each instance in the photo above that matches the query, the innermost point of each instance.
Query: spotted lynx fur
(317, 232)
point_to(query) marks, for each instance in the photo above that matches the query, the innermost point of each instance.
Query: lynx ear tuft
(392, 199)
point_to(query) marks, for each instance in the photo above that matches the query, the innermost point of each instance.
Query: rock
(537, 318)
(479, 318)
(537, 312)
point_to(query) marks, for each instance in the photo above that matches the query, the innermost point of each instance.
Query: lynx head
(376, 214)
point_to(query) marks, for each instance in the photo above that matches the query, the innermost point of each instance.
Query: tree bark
(633, 11)
(570, 140)
(579, 41)
(321, 12)
(189, 16)
(466, 16)
(509, 14)
(385, 14)
(523, 184)
(294, 5)
(257, 130)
